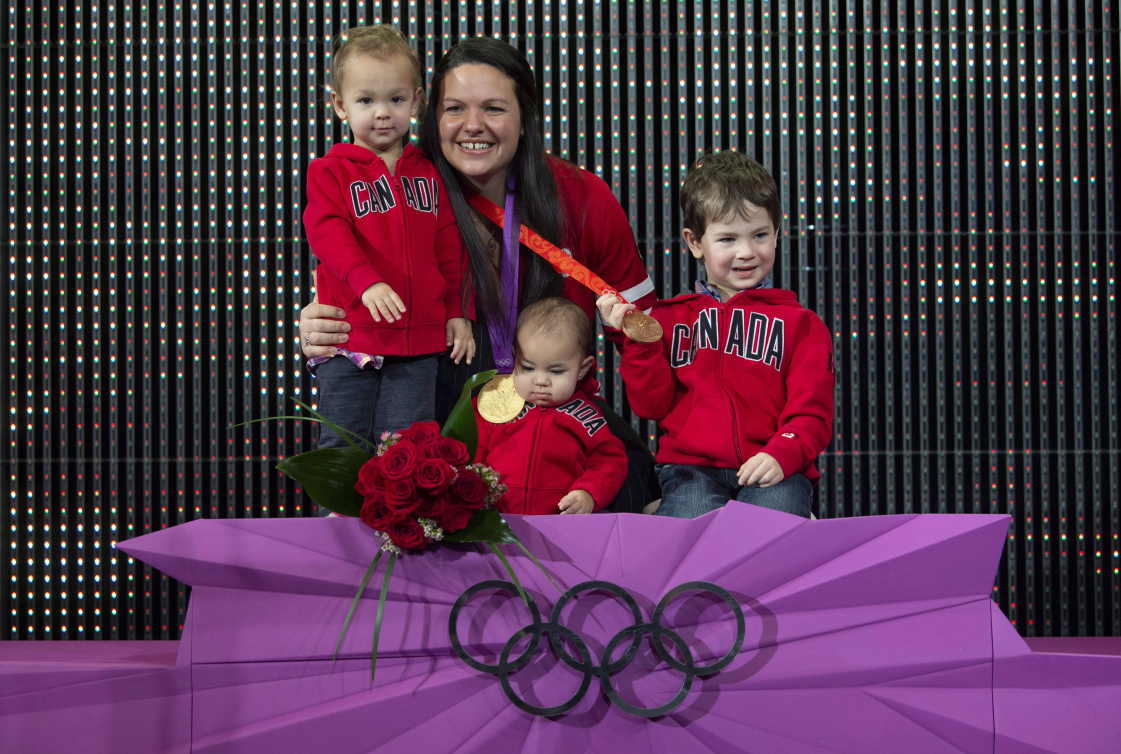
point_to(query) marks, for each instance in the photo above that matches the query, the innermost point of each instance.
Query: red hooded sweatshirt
(545, 453)
(729, 380)
(367, 226)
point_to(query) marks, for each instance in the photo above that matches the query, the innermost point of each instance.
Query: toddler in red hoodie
(389, 250)
(557, 456)
(741, 382)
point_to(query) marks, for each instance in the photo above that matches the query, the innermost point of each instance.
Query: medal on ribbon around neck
(498, 401)
(637, 325)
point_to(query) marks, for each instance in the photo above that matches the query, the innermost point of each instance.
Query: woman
(484, 135)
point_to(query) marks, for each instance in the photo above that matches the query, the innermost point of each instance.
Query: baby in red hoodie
(557, 456)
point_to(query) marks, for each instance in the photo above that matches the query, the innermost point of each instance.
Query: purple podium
(860, 635)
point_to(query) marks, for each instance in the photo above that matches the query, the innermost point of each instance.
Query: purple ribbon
(502, 332)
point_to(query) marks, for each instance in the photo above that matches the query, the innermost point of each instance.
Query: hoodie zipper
(724, 330)
(405, 240)
(532, 455)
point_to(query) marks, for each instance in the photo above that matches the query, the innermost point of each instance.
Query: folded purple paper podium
(861, 635)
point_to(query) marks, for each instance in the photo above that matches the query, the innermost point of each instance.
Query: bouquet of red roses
(420, 486)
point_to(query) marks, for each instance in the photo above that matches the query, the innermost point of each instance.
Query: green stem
(353, 605)
(320, 420)
(509, 570)
(338, 430)
(381, 607)
(535, 560)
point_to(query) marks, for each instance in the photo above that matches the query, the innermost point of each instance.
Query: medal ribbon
(502, 332)
(560, 261)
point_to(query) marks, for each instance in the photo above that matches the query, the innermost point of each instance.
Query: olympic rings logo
(606, 667)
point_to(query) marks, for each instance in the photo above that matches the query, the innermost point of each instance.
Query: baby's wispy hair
(557, 317)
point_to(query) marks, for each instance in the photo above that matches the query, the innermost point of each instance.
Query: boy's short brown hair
(558, 317)
(381, 42)
(717, 186)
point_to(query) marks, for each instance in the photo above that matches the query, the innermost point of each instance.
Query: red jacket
(367, 226)
(729, 380)
(546, 453)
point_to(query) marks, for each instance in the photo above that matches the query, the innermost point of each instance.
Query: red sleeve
(449, 252)
(329, 230)
(605, 238)
(605, 468)
(648, 378)
(609, 245)
(805, 425)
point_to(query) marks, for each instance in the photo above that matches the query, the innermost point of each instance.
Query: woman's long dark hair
(535, 189)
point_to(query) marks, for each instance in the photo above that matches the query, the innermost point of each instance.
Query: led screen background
(946, 170)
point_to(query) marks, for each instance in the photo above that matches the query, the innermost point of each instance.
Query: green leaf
(316, 417)
(461, 421)
(509, 570)
(338, 430)
(357, 597)
(328, 476)
(381, 608)
(484, 526)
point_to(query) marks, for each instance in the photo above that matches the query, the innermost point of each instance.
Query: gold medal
(641, 327)
(499, 402)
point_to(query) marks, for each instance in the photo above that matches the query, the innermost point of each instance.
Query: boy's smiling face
(738, 252)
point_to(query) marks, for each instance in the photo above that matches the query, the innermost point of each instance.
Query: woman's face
(480, 125)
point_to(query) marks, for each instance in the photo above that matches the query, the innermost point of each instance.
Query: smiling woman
(483, 133)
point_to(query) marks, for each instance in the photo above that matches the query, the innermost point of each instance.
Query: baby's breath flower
(431, 530)
(388, 440)
(387, 544)
(493, 480)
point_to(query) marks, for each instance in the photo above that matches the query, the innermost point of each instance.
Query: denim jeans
(372, 401)
(691, 491)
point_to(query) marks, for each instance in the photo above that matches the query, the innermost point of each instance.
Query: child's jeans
(691, 491)
(373, 401)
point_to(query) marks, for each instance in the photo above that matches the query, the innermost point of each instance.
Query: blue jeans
(691, 491)
(372, 401)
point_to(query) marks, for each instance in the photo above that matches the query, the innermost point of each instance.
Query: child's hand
(761, 470)
(460, 339)
(577, 501)
(612, 310)
(379, 298)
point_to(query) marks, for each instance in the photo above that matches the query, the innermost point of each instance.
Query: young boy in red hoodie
(741, 383)
(390, 252)
(557, 456)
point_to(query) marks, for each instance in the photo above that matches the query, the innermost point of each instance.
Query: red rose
(376, 513)
(471, 489)
(434, 475)
(422, 433)
(454, 518)
(370, 477)
(401, 496)
(400, 460)
(433, 506)
(407, 534)
(452, 451)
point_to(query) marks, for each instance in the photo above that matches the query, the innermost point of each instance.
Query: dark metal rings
(583, 663)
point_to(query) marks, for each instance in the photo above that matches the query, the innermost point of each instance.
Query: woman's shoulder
(574, 182)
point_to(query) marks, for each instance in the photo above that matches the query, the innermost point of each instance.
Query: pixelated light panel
(946, 172)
